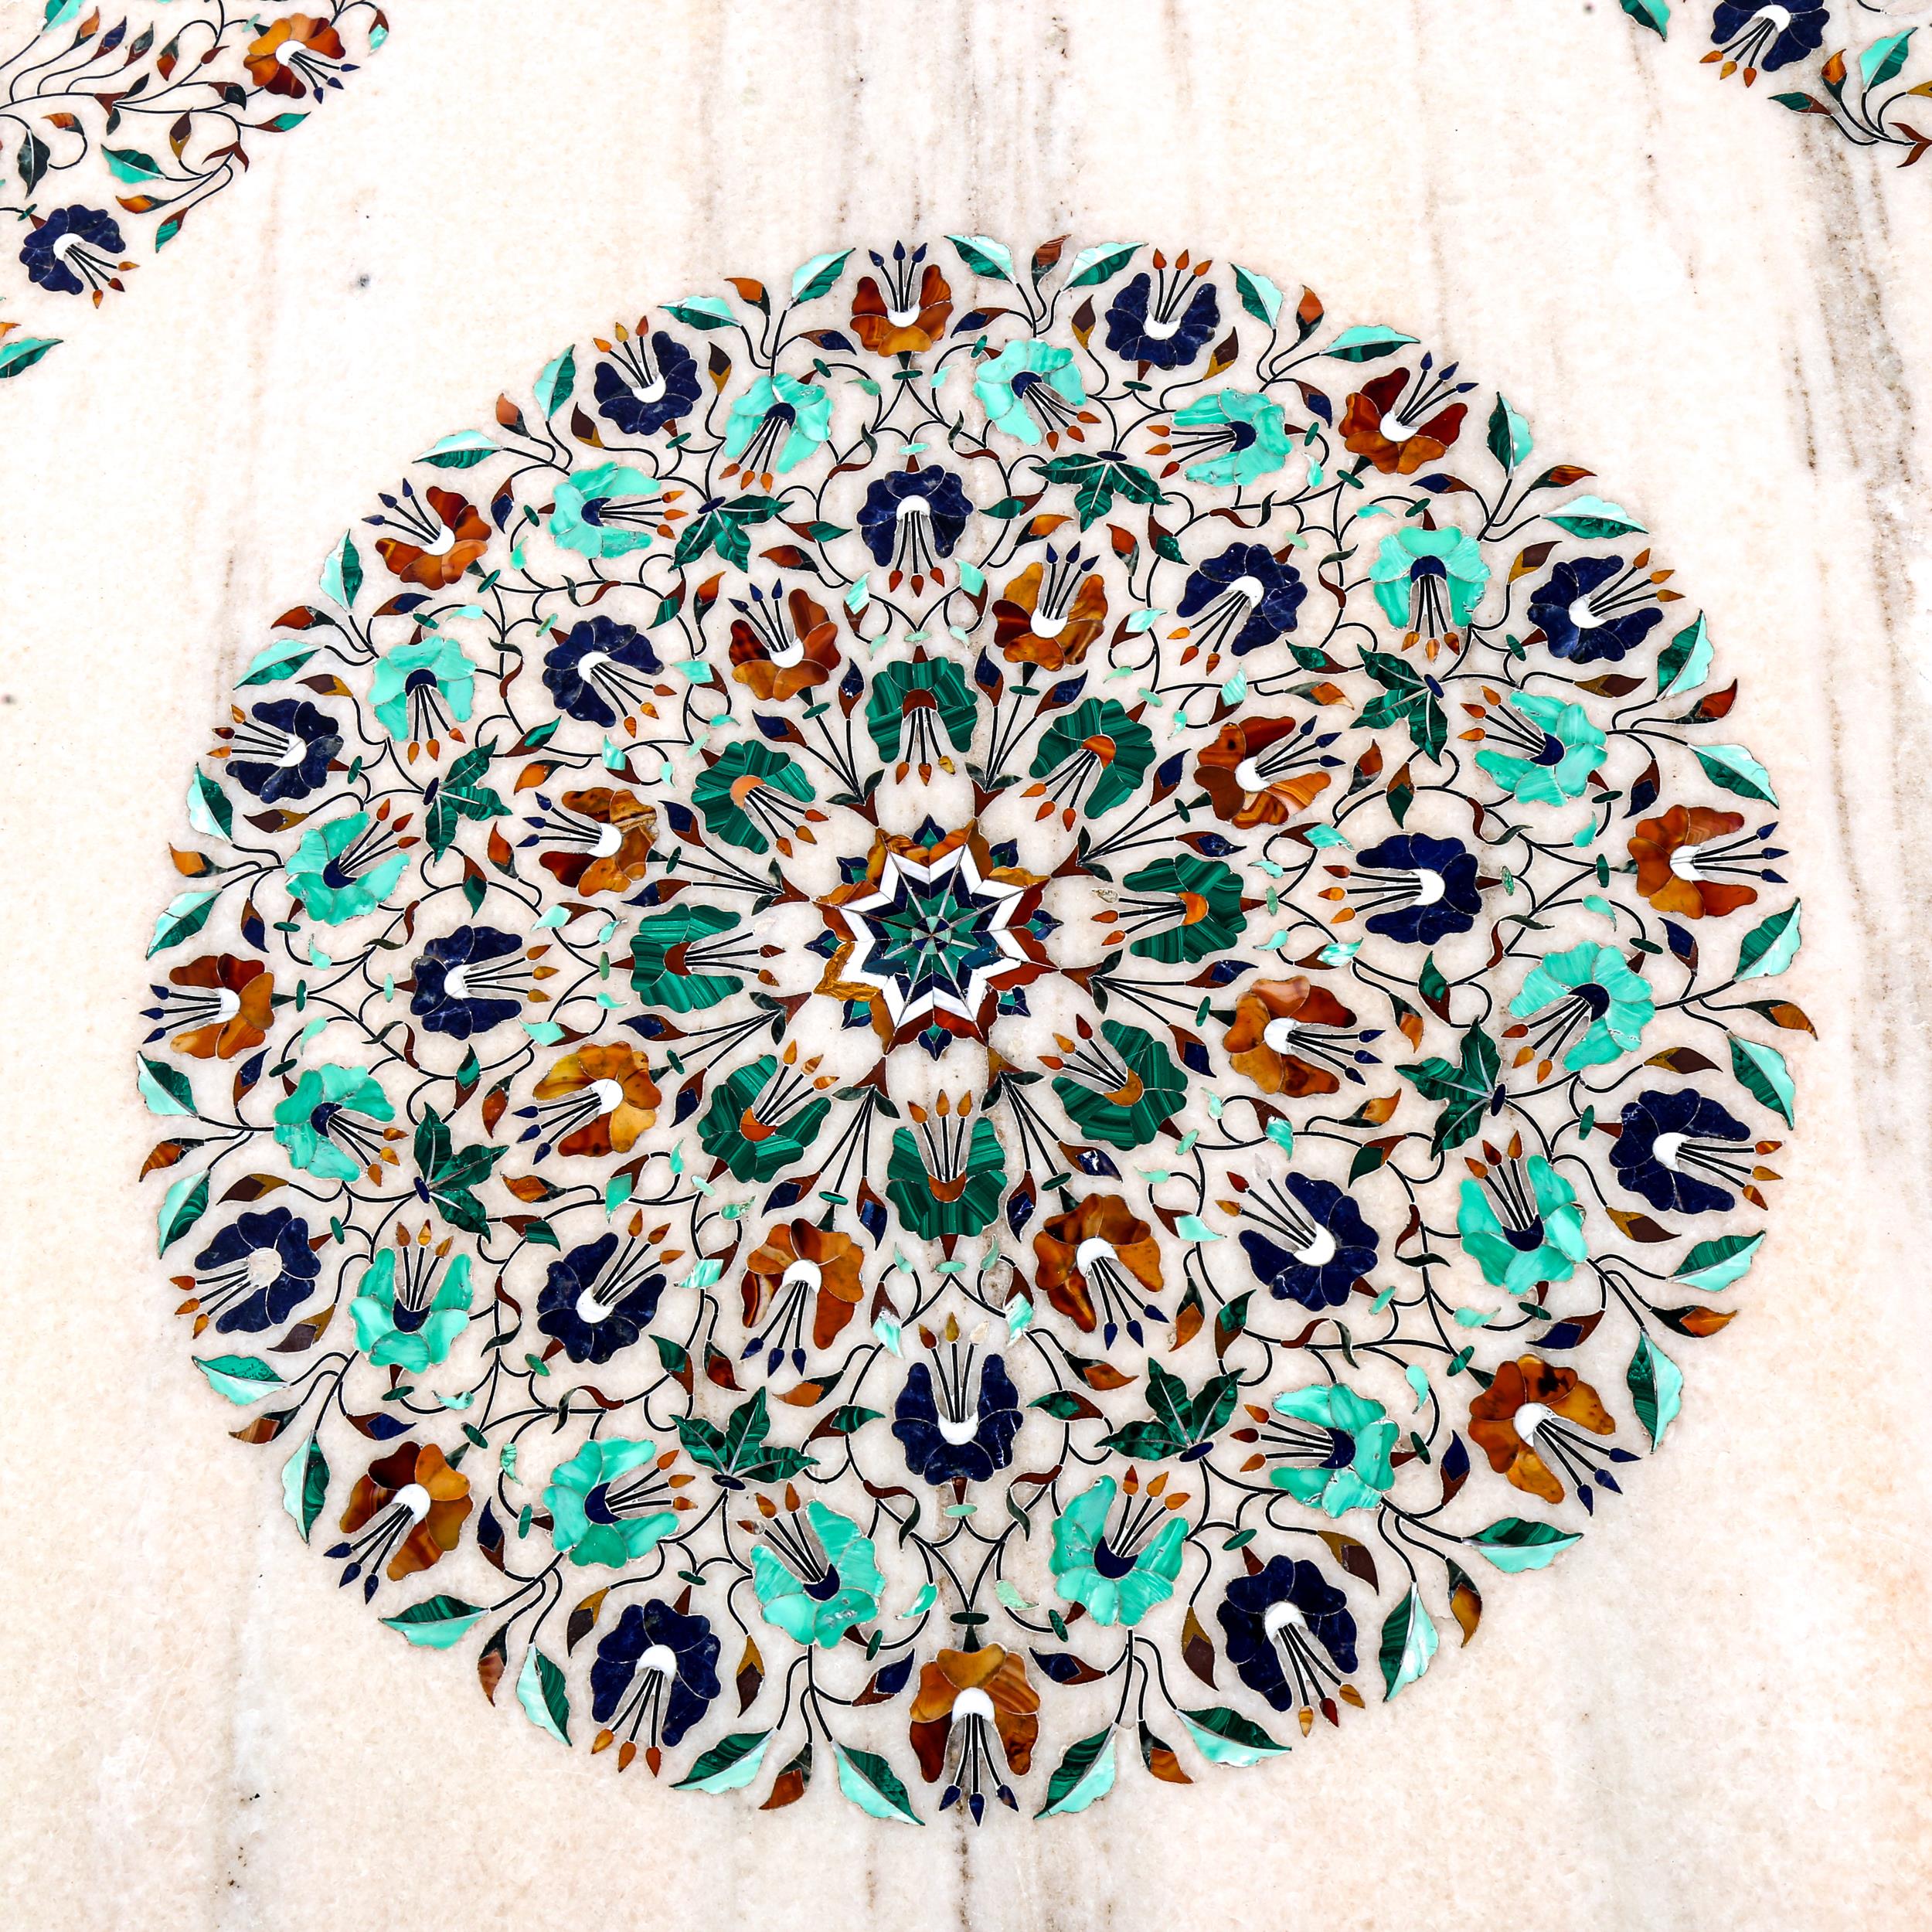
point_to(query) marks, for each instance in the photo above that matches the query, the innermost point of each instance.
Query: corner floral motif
(115, 127)
(1859, 89)
(928, 985)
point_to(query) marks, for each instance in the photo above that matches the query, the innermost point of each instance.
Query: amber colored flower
(795, 1254)
(1394, 446)
(241, 990)
(1667, 870)
(433, 1497)
(435, 569)
(895, 332)
(1245, 787)
(617, 857)
(1101, 1232)
(990, 1686)
(1506, 1418)
(1051, 642)
(270, 59)
(627, 1095)
(772, 666)
(1267, 1017)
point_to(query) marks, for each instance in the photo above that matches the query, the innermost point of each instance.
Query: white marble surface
(1713, 1713)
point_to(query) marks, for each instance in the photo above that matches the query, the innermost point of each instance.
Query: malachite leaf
(241, 1377)
(462, 451)
(1223, 1736)
(1653, 14)
(540, 1690)
(1513, 1545)
(1082, 1777)
(985, 256)
(1768, 949)
(818, 276)
(165, 1088)
(872, 1784)
(1762, 1073)
(1684, 663)
(186, 914)
(1101, 263)
(304, 1484)
(1366, 343)
(1409, 1642)
(438, 1622)
(1656, 1389)
(20, 355)
(186, 1202)
(342, 574)
(1260, 297)
(1593, 517)
(1716, 1264)
(1733, 769)
(730, 1763)
(555, 380)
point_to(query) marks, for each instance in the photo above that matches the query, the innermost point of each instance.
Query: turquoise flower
(1118, 1585)
(420, 690)
(604, 511)
(595, 1517)
(825, 1581)
(1428, 580)
(1238, 436)
(321, 1124)
(777, 407)
(1590, 989)
(1350, 1437)
(405, 1327)
(338, 870)
(1025, 376)
(1533, 1240)
(1564, 748)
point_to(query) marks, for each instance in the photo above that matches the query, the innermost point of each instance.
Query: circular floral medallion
(970, 1022)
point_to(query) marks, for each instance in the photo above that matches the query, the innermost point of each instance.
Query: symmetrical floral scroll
(1845, 61)
(965, 1021)
(115, 125)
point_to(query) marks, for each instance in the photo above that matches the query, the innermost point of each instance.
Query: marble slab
(1713, 1713)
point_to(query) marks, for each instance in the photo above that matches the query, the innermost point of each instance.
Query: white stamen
(1582, 616)
(415, 1499)
(1667, 1147)
(1531, 1417)
(1319, 1252)
(972, 1703)
(1093, 1251)
(1279, 1034)
(1278, 1617)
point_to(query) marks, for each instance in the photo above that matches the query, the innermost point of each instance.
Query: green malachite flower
(659, 980)
(1560, 767)
(1121, 1097)
(1410, 557)
(1544, 1245)
(1589, 984)
(1201, 896)
(922, 685)
(604, 511)
(1116, 1586)
(1354, 1471)
(772, 407)
(840, 1589)
(752, 1148)
(419, 690)
(1246, 433)
(1117, 747)
(590, 1512)
(406, 1333)
(320, 1107)
(732, 794)
(322, 874)
(958, 1203)
(1008, 387)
